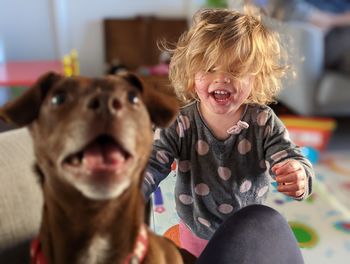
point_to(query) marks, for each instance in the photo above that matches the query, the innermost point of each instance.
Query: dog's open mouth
(103, 154)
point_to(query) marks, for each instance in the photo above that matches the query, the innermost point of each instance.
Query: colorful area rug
(321, 224)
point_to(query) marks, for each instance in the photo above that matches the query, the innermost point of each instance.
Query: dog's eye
(133, 97)
(58, 99)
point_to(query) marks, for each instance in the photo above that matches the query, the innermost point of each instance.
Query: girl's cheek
(198, 79)
(200, 76)
(198, 83)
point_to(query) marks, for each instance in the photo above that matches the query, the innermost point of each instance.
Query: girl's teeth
(220, 92)
(221, 95)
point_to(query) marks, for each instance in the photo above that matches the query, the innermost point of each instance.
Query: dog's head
(92, 134)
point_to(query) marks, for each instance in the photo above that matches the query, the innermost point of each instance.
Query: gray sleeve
(165, 150)
(279, 147)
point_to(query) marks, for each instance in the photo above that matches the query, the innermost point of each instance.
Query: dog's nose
(104, 103)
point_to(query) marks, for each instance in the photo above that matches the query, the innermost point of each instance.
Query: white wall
(26, 30)
(85, 32)
(47, 29)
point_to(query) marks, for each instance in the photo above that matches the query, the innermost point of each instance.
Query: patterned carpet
(321, 224)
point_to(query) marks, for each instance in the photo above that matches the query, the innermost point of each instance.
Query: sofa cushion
(20, 192)
(334, 90)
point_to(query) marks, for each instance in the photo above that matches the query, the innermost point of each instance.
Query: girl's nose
(222, 77)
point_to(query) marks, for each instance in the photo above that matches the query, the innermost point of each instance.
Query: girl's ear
(162, 106)
(25, 108)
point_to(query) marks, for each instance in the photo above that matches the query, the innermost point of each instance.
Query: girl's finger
(292, 187)
(288, 167)
(295, 176)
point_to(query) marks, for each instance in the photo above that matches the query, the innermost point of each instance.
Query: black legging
(256, 234)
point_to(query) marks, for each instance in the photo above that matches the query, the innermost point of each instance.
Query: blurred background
(97, 37)
(48, 29)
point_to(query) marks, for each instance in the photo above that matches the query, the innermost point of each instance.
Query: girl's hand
(290, 178)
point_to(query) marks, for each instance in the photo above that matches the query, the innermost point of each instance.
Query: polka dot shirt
(216, 177)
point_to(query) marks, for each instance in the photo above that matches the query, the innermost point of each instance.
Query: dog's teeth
(75, 160)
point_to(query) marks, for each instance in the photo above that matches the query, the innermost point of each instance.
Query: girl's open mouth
(220, 95)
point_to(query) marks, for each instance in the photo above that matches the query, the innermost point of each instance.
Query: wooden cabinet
(134, 41)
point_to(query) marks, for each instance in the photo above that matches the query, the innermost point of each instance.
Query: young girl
(226, 141)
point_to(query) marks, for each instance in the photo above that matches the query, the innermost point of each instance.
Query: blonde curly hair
(238, 41)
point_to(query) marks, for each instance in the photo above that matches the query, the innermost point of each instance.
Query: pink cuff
(190, 241)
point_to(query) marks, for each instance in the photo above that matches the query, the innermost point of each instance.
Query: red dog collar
(137, 256)
(36, 253)
(140, 247)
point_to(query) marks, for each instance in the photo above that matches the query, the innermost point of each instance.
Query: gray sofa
(20, 196)
(314, 91)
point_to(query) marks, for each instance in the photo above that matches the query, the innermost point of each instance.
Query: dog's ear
(133, 79)
(25, 108)
(162, 106)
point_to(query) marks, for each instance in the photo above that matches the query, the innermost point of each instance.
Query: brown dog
(92, 139)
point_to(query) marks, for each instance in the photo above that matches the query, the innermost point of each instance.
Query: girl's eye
(133, 97)
(58, 99)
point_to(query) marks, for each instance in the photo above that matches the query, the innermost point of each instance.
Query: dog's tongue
(102, 157)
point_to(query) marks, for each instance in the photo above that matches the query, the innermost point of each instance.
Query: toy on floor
(312, 154)
(158, 201)
(313, 132)
(71, 64)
